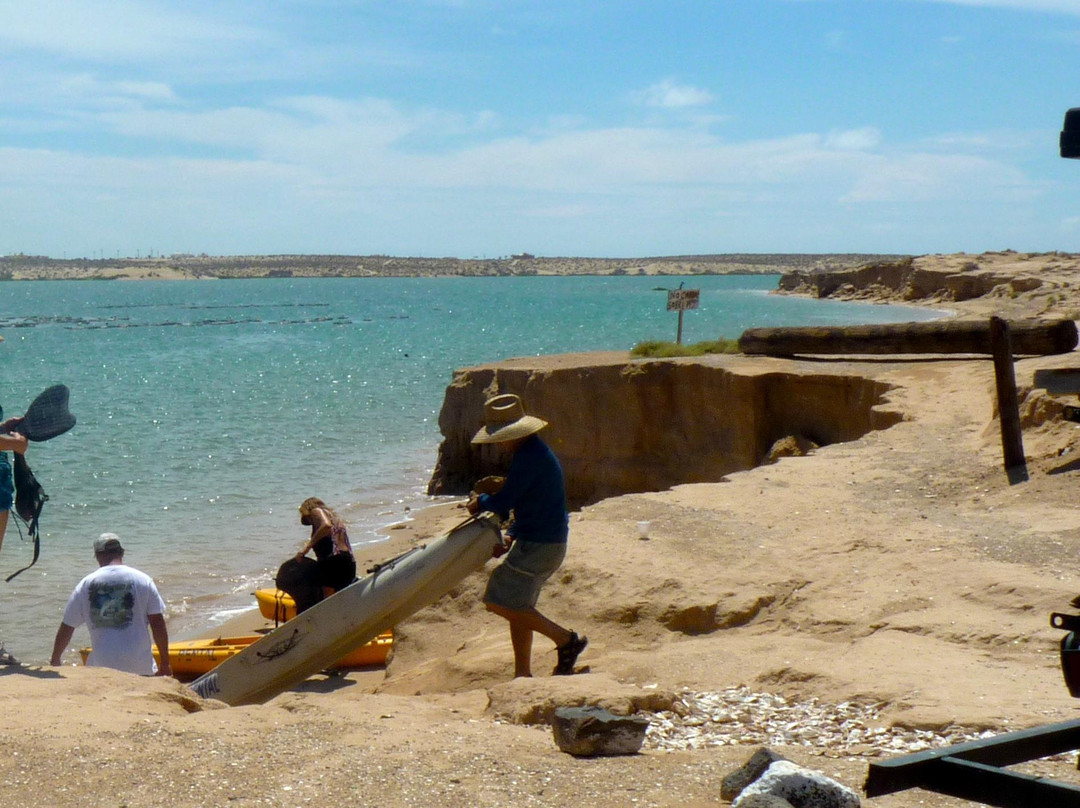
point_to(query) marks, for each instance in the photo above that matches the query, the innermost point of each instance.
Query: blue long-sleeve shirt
(536, 492)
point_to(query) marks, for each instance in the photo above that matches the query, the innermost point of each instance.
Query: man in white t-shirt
(117, 603)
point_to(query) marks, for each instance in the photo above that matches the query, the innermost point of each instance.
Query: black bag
(30, 498)
(299, 577)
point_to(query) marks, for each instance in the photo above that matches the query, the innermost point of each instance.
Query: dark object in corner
(979, 771)
(1070, 648)
(1070, 134)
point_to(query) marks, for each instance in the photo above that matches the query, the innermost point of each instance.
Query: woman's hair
(311, 503)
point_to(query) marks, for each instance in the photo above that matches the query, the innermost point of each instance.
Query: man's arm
(161, 640)
(63, 637)
(518, 478)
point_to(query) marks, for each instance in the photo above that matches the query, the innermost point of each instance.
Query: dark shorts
(515, 584)
(337, 571)
(7, 485)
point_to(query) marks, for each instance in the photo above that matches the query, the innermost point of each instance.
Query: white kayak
(315, 639)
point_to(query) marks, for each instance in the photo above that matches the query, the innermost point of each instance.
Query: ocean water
(207, 411)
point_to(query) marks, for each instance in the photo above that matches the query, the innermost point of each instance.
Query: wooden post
(1012, 439)
(1034, 337)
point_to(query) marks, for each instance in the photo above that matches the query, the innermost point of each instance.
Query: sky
(482, 128)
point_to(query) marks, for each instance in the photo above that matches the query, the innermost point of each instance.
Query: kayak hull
(351, 617)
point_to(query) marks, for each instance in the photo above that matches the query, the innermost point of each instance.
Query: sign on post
(682, 299)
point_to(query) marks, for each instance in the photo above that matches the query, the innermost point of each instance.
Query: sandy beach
(869, 598)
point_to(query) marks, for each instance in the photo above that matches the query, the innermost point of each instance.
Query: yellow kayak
(275, 605)
(192, 658)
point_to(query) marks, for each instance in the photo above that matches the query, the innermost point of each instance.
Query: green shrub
(659, 349)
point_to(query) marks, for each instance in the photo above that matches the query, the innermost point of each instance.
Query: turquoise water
(207, 411)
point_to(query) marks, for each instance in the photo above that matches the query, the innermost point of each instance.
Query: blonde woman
(330, 542)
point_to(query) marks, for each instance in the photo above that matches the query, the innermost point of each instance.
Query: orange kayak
(192, 658)
(275, 605)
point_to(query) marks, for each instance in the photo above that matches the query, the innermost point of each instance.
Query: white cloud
(330, 135)
(120, 30)
(669, 95)
(43, 102)
(854, 139)
(938, 178)
(91, 174)
(371, 143)
(84, 90)
(304, 169)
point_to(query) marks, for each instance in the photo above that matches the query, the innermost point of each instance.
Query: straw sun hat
(505, 419)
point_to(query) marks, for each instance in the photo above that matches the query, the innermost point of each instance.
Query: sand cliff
(622, 425)
(1006, 283)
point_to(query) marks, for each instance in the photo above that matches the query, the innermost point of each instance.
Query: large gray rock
(801, 787)
(750, 771)
(595, 732)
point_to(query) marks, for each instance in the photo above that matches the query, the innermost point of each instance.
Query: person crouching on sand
(535, 491)
(330, 541)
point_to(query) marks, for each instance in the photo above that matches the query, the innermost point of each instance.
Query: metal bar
(993, 786)
(911, 771)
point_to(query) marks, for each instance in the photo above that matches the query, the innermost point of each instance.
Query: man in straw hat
(535, 492)
(11, 440)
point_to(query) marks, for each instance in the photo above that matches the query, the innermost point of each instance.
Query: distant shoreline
(202, 267)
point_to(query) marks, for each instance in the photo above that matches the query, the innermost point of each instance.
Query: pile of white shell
(740, 717)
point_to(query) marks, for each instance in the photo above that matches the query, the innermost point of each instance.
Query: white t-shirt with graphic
(115, 602)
